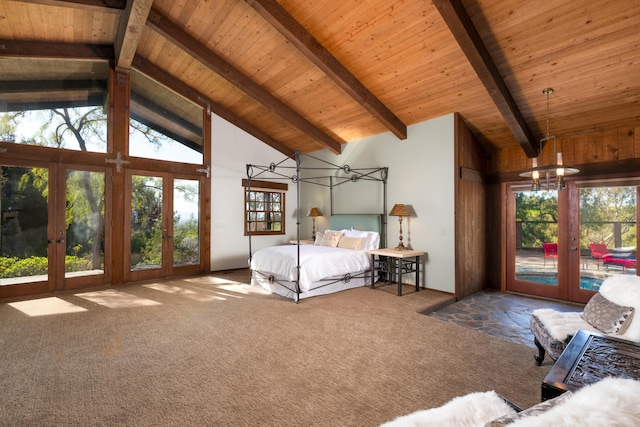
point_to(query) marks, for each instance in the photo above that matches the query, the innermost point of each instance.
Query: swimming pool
(586, 282)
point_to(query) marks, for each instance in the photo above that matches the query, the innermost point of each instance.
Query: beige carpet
(211, 351)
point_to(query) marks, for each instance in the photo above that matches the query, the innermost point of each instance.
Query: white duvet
(316, 262)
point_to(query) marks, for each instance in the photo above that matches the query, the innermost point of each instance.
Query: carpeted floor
(501, 314)
(213, 350)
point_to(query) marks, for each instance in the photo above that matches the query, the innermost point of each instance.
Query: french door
(53, 227)
(163, 220)
(551, 236)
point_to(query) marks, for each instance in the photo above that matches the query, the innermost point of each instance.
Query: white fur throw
(612, 402)
(561, 324)
(624, 290)
(471, 410)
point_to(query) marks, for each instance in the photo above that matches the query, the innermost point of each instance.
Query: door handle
(60, 240)
(573, 248)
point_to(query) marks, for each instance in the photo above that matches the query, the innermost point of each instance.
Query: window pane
(163, 125)
(608, 234)
(23, 242)
(85, 223)
(146, 222)
(264, 215)
(537, 236)
(186, 222)
(58, 103)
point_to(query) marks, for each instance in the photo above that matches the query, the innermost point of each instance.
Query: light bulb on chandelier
(553, 174)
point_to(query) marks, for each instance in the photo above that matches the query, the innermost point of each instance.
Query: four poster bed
(338, 258)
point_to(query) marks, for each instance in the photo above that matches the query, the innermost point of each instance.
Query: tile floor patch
(501, 314)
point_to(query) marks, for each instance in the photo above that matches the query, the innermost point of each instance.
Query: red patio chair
(598, 252)
(550, 251)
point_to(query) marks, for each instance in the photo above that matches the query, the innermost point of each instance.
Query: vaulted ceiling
(315, 74)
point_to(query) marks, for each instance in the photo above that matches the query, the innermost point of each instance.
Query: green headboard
(363, 222)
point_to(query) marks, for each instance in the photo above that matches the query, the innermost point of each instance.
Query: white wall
(232, 150)
(421, 175)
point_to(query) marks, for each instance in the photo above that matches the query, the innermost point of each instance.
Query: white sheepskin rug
(471, 410)
(612, 402)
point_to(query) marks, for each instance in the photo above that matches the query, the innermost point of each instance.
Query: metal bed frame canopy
(334, 176)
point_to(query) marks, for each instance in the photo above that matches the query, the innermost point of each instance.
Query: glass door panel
(24, 206)
(535, 242)
(608, 234)
(161, 244)
(146, 216)
(186, 222)
(84, 220)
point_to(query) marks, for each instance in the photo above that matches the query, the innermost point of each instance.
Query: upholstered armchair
(612, 311)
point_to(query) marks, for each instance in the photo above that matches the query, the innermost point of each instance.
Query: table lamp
(399, 210)
(313, 213)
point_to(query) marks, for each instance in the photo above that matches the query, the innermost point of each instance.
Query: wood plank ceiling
(316, 74)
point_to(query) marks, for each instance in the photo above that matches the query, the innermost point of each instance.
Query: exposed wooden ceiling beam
(130, 30)
(114, 6)
(12, 48)
(177, 36)
(176, 85)
(281, 20)
(465, 33)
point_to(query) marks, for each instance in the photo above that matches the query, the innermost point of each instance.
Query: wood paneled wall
(610, 147)
(474, 220)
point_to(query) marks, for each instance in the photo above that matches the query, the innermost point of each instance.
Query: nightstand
(392, 261)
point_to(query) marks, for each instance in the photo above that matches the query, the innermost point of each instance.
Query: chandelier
(552, 175)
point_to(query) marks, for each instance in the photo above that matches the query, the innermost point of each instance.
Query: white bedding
(316, 262)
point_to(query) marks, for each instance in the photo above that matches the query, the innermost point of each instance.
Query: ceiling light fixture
(553, 174)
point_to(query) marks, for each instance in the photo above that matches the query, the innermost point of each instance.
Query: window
(164, 125)
(58, 103)
(264, 207)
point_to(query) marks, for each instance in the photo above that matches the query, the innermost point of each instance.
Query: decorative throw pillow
(351, 242)
(319, 237)
(331, 238)
(607, 316)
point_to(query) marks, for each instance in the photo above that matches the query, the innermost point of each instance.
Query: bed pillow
(371, 238)
(373, 241)
(331, 238)
(607, 316)
(351, 242)
(319, 237)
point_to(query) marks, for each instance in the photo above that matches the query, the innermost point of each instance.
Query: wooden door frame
(511, 283)
(167, 269)
(87, 280)
(568, 244)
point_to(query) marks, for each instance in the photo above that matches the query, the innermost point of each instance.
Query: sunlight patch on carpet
(242, 288)
(116, 299)
(46, 307)
(177, 290)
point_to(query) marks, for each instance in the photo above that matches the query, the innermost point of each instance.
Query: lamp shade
(399, 210)
(314, 212)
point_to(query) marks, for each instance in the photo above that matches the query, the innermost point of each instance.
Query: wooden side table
(393, 261)
(589, 358)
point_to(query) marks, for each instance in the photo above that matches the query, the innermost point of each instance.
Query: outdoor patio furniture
(610, 312)
(600, 253)
(609, 260)
(550, 251)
